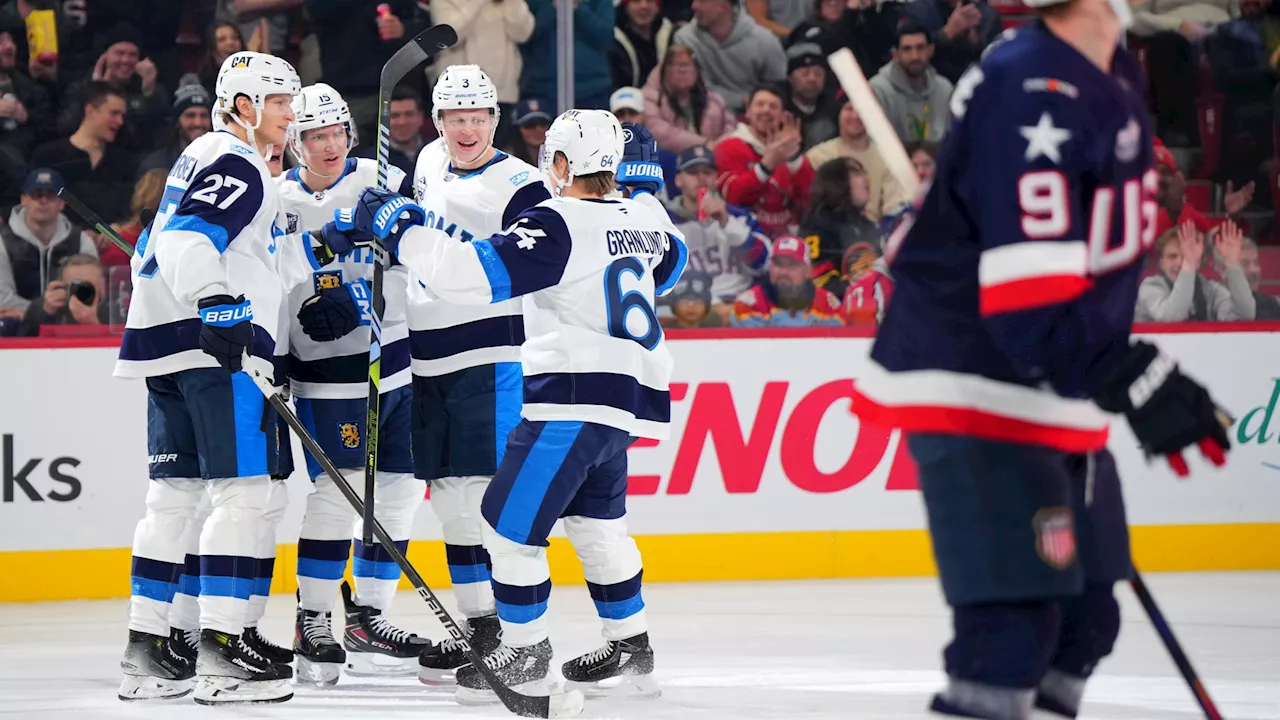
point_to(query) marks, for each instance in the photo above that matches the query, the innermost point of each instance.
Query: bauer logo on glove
(226, 316)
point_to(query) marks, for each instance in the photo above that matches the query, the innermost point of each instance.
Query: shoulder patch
(1052, 85)
(242, 149)
(519, 178)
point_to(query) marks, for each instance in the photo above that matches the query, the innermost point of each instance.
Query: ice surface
(794, 650)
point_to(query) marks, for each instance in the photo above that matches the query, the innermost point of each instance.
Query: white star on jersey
(1045, 139)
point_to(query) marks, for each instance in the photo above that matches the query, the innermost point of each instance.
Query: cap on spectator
(122, 32)
(42, 179)
(529, 111)
(1164, 156)
(694, 156)
(189, 96)
(804, 54)
(626, 98)
(790, 246)
(692, 284)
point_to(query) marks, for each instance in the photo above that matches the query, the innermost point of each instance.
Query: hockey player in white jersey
(467, 382)
(329, 379)
(208, 279)
(596, 373)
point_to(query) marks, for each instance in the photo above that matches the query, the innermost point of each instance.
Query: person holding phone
(75, 298)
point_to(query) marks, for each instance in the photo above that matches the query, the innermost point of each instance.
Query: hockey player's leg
(266, 557)
(1000, 522)
(184, 616)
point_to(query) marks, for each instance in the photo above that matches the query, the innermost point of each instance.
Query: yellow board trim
(32, 576)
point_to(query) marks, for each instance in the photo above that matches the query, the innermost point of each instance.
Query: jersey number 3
(1045, 201)
(620, 304)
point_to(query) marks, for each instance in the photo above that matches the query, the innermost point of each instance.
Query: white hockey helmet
(319, 106)
(1120, 7)
(254, 75)
(591, 140)
(463, 87)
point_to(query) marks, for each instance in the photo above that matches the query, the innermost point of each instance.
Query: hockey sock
(396, 500)
(185, 613)
(228, 544)
(158, 557)
(521, 588)
(456, 502)
(1090, 626)
(998, 656)
(324, 542)
(266, 554)
(612, 567)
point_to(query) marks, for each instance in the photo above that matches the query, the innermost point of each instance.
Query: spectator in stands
(36, 240)
(1179, 293)
(962, 29)
(688, 306)
(789, 298)
(870, 288)
(532, 122)
(779, 17)
(1241, 55)
(837, 223)
(355, 41)
(627, 104)
(914, 96)
(489, 35)
(593, 23)
(640, 39)
(865, 27)
(122, 67)
(75, 298)
(679, 109)
(734, 53)
(405, 129)
(223, 41)
(924, 157)
(26, 112)
(810, 98)
(265, 22)
(759, 164)
(75, 42)
(1172, 201)
(95, 168)
(191, 104)
(724, 241)
(1267, 305)
(854, 142)
(142, 208)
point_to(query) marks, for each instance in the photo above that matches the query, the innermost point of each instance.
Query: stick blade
(420, 48)
(437, 38)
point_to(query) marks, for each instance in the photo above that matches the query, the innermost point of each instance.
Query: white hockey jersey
(340, 368)
(589, 271)
(446, 337)
(218, 230)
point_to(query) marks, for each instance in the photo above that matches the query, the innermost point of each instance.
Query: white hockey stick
(883, 136)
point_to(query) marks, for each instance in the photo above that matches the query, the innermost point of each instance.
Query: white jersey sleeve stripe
(672, 266)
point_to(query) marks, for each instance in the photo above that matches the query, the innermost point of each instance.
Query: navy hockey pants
(461, 420)
(338, 425)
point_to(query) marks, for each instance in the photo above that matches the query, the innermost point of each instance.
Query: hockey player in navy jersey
(1007, 344)
(467, 385)
(329, 377)
(596, 374)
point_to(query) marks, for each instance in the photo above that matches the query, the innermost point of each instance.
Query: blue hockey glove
(226, 330)
(330, 241)
(382, 213)
(640, 170)
(334, 312)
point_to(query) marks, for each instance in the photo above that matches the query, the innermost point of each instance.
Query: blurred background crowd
(769, 170)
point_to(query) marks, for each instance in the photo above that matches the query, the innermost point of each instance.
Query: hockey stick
(1175, 649)
(568, 704)
(427, 43)
(93, 219)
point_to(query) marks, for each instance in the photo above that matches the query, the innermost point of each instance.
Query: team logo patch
(1052, 85)
(327, 280)
(1055, 536)
(626, 135)
(1128, 141)
(349, 434)
(291, 222)
(858, 259)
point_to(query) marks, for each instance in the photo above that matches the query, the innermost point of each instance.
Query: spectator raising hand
(1229, 245)
(1191, 243)
(1235, 201)
(784, 144)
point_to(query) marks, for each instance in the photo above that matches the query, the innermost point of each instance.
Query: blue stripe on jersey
(159, 341)
(533, 254)
(529, 489)
(508, 396)
(494, 270)
(441, 343)
(251, 441)
(522, 199)
(226, 195)
(349, 368)
(671, 267)
(622, 392)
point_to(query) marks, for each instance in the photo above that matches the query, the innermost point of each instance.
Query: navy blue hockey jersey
(1017, 280)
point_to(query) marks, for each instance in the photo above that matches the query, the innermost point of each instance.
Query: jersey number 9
(619, 304)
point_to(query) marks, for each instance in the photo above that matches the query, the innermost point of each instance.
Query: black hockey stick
(427, 43)
(1175, 649)
(93, 219)
(568, 704)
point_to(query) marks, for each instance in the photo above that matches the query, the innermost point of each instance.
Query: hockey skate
(526, 670)
(320, 657)
(187, 644)
(439, 664)
(266, 648)
(232, 672)
(375, 647)
(630, 661)
(154, 669)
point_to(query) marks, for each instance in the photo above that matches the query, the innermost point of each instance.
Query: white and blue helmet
(591, 140)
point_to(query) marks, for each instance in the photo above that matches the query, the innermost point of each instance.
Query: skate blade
(309, 672)
(234, 691)
(135, 688)
(379, 665)
(434, 677)
(473, 697)
(622, 686)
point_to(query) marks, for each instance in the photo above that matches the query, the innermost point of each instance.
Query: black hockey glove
(1167, 410)
(226, 331)
(640, 170)
(334, 312)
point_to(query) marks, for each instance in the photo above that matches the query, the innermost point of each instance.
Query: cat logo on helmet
(241, 61)
(349, 434)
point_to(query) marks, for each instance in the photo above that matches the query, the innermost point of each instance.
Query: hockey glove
(640, 170)
(1167, 410)
(226, 330)
(330, 242)
(334, 312)
(382, 213)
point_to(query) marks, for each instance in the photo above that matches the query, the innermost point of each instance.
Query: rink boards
(766, 475)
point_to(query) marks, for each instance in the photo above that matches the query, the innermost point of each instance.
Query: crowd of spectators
(771, 174)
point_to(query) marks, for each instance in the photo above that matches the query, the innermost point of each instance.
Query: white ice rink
(725, 651)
